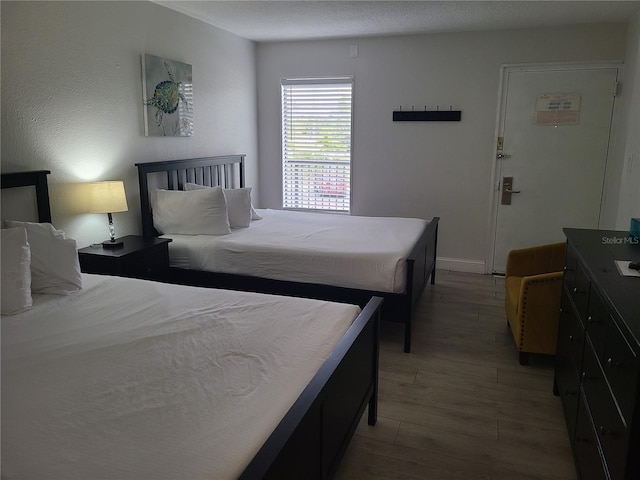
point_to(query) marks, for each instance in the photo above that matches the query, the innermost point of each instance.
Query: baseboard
(460, 265)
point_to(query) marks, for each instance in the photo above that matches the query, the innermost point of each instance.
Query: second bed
(327, 256)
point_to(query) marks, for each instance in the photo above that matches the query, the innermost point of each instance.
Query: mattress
(131, 379)
(367, 253)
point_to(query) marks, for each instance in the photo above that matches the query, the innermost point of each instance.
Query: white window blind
(316, 143)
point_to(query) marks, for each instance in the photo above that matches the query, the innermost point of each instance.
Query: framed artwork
(167, 92)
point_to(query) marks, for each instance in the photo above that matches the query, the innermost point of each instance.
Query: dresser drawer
(597, 323)
(569, 360)
(577, 282)
(580, 291)
(609, 426)
(621, 368)
(571, 333)
(568, 384)
(570, 264)
(587, 447)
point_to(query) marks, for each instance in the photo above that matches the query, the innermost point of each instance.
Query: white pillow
(202, 212)
(237, 199)
(16, 271)
(54, 259)
(238, 206)
(255, 215)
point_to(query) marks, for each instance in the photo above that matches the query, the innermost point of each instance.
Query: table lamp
(108, 197)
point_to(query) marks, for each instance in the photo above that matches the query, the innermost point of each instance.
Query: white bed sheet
(346, 251)
(139, 380)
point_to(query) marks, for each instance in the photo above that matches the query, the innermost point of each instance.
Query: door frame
(494, 195)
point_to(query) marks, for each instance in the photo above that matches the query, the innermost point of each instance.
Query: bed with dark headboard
(313, 435)
(229, 172)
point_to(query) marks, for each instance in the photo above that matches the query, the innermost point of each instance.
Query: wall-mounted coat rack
(427, 115)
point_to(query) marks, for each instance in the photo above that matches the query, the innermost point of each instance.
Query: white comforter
(130, 379)
(346, 251)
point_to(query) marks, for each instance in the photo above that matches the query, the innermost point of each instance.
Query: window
(316, 143)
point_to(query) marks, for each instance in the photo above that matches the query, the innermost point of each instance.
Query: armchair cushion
(533, 286)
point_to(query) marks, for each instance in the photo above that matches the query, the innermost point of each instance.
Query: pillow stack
(36, 258)
(202, 210)
(16, 271)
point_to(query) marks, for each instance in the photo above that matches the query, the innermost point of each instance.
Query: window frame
(331, 203)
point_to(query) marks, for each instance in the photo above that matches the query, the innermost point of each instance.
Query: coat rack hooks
(425, 115)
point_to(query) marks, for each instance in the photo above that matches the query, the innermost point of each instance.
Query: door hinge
(616, 88)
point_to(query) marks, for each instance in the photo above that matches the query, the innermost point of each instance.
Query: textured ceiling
(268, 20)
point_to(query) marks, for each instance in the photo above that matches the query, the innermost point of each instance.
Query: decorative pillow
(237, 199)
(238, 206)
(54, 259)
(16, 271)
(255, 215)
(202, 212)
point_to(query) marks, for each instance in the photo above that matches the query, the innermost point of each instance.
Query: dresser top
(598, 250)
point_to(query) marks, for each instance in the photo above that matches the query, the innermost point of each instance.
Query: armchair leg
(523, 358)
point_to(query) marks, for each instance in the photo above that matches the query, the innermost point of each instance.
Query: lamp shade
(107, 197)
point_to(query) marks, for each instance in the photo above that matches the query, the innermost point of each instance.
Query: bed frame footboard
(313, 436)
(421, 265)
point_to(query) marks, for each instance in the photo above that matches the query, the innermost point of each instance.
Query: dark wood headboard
(37, 179)
(226, 171)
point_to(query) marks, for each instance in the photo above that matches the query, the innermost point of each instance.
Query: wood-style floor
(460, 407)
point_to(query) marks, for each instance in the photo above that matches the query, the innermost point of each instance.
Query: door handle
(500, 156)
(507, 190)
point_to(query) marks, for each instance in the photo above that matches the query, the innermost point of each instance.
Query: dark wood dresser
(598, 361)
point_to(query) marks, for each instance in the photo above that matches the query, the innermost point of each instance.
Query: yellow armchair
(533, 282)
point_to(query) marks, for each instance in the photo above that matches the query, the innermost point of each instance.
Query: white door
(553, 140)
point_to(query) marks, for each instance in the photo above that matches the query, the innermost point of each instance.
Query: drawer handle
(592, 319)
(612, 363)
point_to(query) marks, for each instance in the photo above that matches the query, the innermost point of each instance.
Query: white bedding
(346, 251)
(129, 379)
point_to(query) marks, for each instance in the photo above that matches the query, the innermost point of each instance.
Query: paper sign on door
(558, 109)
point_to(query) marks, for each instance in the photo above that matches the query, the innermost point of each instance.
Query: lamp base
(112, 244)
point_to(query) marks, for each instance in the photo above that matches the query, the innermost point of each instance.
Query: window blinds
(316, 143)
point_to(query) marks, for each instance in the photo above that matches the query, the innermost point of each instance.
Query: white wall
(629, 201)
(422, 169)
(72, 98)
(71, 103)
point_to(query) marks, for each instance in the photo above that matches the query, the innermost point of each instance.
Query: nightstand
(139, 257)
